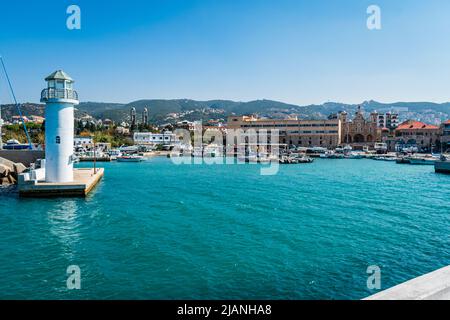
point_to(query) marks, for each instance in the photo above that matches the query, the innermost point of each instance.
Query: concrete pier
(22, 156)
(431, 286)
(84, 181)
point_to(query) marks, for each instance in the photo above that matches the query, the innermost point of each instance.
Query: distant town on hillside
(173, 111)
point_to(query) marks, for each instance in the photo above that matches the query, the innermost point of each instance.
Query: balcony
(52, 93)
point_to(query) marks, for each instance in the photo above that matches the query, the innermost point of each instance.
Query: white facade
(60, 99)
(82, 141)
(165, 138)
(387, 120)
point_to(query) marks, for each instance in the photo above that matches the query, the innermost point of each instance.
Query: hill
(164, 111)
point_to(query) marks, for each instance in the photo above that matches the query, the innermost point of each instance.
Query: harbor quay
(84, 180)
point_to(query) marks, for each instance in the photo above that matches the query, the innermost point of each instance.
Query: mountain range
(169, 111)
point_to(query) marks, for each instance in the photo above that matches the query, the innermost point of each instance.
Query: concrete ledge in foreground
(432, 286)
(84, 181)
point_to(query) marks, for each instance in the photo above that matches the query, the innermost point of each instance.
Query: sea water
(156, 230)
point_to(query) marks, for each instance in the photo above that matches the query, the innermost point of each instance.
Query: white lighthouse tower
(60, 99)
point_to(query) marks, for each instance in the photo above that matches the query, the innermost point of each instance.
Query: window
(59, 84)
(58, 139)
(51, 83)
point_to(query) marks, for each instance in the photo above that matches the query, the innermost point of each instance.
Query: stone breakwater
(9, 171)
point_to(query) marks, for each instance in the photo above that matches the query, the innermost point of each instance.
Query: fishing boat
(130, 158)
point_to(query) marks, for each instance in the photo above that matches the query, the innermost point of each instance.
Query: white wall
(59, 123)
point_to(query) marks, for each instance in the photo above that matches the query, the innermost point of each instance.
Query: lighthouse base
(84, 181)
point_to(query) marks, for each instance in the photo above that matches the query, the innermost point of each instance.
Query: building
(145, 117)
(359, 132)
(445, 135)
(148, 138)
(82, 141)
(36, 119)
(133, 118)
(387, 120)
(18, 119)
(107, 123)
(424, 137)
(185, 124)
(300, 133)
(122, 130)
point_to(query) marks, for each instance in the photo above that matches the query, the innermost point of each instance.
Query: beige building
(300, 133)
(417, 134)
(360, 131)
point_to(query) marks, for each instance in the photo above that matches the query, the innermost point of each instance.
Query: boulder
(4, 171)
(7, 163)
(18, 168)
(12, 180)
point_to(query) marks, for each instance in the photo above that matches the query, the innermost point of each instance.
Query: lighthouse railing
(52, 93)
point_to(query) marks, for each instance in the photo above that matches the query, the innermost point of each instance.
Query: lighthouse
(60, 99)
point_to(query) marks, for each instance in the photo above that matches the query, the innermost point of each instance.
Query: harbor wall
(22, 156)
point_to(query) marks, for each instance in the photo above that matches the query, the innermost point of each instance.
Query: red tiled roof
(410, 124)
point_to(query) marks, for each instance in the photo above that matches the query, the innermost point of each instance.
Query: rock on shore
(9, 171)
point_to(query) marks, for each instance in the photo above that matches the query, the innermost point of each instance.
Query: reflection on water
(63, 223)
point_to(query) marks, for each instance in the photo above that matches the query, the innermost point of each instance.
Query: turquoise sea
(155, 230)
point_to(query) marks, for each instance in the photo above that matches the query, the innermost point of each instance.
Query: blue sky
(296, 51)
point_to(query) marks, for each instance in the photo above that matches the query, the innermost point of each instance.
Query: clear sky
(296, 51)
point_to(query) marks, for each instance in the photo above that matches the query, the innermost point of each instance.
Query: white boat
(130, 158)
(129, 149)
(381, 147)
(114, 154)
(354, 155)
(332, 155)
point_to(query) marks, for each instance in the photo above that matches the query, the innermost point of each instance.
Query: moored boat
(422, 161)
(442, 165)
(130, 158)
